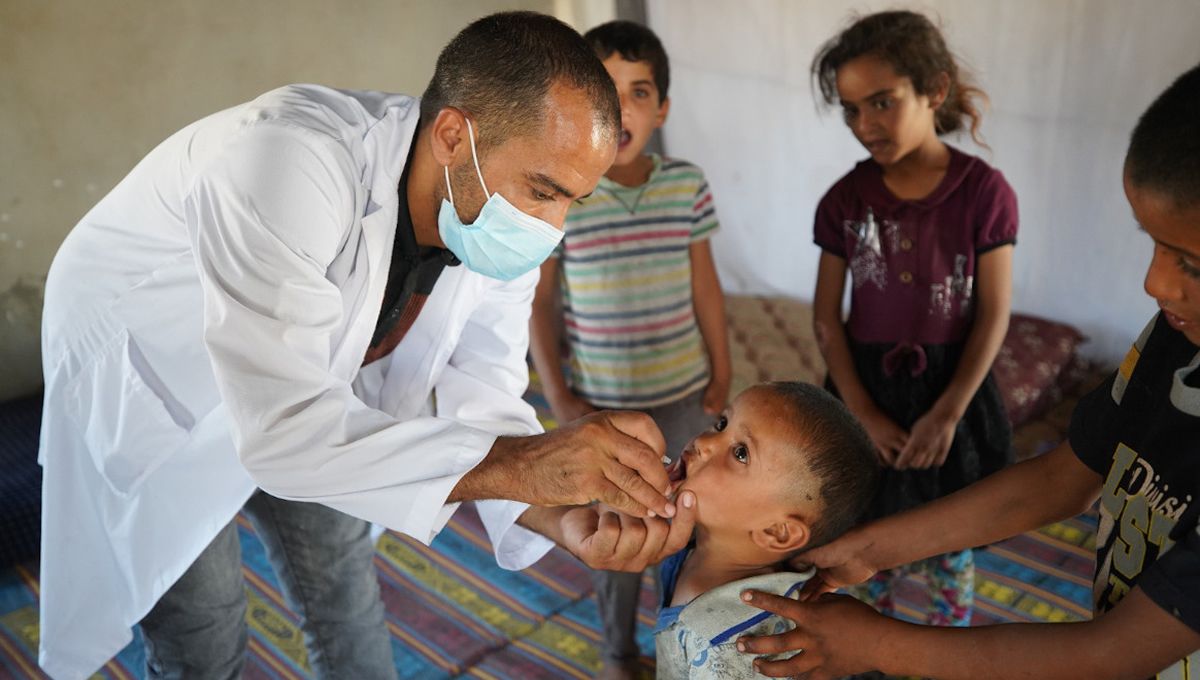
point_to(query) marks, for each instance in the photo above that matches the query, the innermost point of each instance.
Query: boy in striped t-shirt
(641, 304)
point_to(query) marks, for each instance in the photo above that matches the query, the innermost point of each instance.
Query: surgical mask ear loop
(474, 157)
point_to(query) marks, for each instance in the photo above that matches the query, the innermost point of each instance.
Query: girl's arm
(889, 438)
(544, 343)
(709, 304)
(933, 433)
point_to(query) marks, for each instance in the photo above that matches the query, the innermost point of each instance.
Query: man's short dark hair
(500, 70)
(634, 42)
(839, 454)
(1164, 150)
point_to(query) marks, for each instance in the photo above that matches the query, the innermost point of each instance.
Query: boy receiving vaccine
(783, 469)
(641, 304)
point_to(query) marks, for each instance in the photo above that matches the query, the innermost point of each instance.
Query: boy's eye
(720, 423)
(641, 94)
(1188, 268)
(741, 454)
(883, 104)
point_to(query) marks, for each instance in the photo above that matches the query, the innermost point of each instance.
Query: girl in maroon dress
(926, 233)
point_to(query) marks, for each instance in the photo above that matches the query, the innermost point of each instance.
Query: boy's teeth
(666, 460)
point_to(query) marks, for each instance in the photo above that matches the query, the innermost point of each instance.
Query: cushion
(20, 480)
(1036, 365)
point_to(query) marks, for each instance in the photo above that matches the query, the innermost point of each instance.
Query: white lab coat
(202, 336)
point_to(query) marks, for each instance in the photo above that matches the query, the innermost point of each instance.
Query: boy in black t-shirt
(1134, 444)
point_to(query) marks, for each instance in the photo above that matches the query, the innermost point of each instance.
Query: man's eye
(741, 454)
(541, 195)
(720, 423)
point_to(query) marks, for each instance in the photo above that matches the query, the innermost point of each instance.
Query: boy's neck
(712, 564)
(632, 174)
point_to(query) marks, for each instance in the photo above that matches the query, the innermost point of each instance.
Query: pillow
(1036, 365)
(20, 338)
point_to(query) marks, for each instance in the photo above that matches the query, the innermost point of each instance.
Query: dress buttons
(905, 277)
(906, 244)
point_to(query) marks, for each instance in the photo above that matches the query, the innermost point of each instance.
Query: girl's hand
(570, 407)
(929, 443)
(888, 437)
(827, 641)
(716, 396)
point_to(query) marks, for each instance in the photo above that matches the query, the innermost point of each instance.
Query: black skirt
(982, 440)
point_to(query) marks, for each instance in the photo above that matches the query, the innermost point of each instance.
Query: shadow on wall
(20, 332)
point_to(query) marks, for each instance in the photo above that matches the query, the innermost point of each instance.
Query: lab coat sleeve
(266, 217)
(482, 386)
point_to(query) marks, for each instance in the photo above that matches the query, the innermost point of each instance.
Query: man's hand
(610, 456)
(609, 540)
(834, 637)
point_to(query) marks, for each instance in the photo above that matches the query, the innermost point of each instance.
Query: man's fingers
(642, 428)
(604, 541)
(642, 477)
(682, 526)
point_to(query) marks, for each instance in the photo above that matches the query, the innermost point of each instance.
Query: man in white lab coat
(314, 307)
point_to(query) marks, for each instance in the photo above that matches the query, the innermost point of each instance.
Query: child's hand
(929, 443)
(615, 541)
(827, 641)
(888, 437)
(840, 563)
(716, 396)
(570, 407)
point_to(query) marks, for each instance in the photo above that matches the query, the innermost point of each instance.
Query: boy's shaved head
(1164, 151)
(837, 453)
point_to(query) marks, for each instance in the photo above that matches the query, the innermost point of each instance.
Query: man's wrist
(492, 477)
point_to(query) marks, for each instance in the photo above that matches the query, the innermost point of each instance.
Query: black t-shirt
(1140, 431)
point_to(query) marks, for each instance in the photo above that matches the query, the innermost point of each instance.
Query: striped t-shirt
(627, 288)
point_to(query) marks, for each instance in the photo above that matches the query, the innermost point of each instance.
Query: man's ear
(663, 109)
(786, 535)
(448, 136)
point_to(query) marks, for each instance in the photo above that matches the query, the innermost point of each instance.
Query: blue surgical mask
(503, 242)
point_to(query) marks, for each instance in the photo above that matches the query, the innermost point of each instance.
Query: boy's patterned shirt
(627, 288)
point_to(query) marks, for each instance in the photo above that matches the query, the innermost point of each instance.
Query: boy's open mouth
(626, 137)
(677, 473)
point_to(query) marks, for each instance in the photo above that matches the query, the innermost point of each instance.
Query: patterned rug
(454, 614)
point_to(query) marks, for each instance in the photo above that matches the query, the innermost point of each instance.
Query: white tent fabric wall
(1067, 80)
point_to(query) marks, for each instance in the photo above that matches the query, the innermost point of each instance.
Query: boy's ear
(786, 535)
(663, 109)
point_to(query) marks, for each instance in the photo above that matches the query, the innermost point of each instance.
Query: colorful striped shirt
(627, 288)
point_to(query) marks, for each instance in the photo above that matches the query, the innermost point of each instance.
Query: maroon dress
(912, 270)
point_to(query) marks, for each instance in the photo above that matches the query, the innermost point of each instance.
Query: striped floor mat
(453, 613)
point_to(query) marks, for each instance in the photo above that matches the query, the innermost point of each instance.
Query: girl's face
(883, 110)
(1173, 278)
